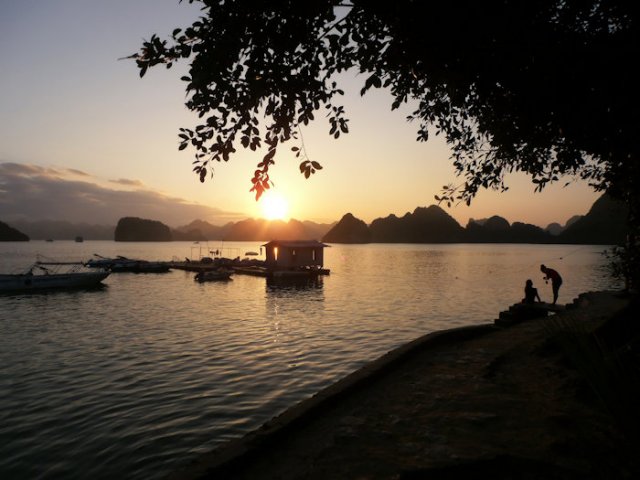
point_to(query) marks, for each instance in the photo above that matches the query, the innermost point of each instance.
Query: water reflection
(65, 293)
(134, 379)
(277, 285)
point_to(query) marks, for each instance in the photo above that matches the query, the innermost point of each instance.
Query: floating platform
(280, 274)
(254, 271)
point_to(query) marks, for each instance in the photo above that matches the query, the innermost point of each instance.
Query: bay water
(141, 376)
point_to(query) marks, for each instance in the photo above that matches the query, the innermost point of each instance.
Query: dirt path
(466, 404)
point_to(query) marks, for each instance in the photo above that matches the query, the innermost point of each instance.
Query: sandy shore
(466, 403)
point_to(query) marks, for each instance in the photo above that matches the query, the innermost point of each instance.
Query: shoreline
(370, 413)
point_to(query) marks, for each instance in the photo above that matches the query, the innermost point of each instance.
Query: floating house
(287, 255)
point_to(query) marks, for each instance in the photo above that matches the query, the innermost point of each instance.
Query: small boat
(124, 264)
(52, 275)
(79, 239)
(213, 275)
(139, 266)
(100, 262)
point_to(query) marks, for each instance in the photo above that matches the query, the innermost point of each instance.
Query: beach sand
(476, 402)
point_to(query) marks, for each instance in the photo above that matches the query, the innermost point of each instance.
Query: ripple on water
(139, 377)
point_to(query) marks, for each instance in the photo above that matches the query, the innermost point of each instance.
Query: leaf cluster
(545, 87)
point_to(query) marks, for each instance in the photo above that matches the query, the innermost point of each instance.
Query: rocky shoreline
(488, 400)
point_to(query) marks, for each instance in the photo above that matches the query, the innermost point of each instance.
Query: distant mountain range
(138, 229)
(253, 230)
(61, 230)
(605, 223)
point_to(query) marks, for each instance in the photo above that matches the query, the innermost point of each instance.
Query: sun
(274, 206)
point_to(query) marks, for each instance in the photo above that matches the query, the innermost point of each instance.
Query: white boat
(52, 275)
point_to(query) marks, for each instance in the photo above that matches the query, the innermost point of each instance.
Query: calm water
(139, 377)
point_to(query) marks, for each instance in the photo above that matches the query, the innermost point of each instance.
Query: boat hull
(213, 276)
(140, 267)
(25, 282)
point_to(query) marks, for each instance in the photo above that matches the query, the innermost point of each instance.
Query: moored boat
(52, 275)
(100, 262)
(139, 266)
(124, 264)
(213, 275)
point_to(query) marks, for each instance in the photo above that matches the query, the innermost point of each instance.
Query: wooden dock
(193, 266)
(266, 272)
(253, 271)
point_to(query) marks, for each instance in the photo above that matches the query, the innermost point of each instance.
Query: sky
(84, 138)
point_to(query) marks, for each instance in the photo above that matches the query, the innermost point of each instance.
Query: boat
(139, 266)
(256, 271)
(99, 261)
(79, 239)
(52, 275)
(213, 275)
(105, 262)
(124, 264)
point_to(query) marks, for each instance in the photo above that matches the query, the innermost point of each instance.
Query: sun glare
(274, 206)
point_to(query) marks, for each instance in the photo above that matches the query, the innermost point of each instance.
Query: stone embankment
(499, 400)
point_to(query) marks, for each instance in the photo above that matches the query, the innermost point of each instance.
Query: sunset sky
(83, 138)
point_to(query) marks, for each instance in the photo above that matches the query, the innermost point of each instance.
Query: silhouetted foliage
(543, 87)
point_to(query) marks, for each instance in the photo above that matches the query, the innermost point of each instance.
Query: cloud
(78, 172)
(32, 192)
(127, 182)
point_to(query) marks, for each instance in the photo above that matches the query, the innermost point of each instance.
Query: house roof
(295, 244)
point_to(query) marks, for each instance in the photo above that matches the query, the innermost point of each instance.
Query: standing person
(556, 280)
